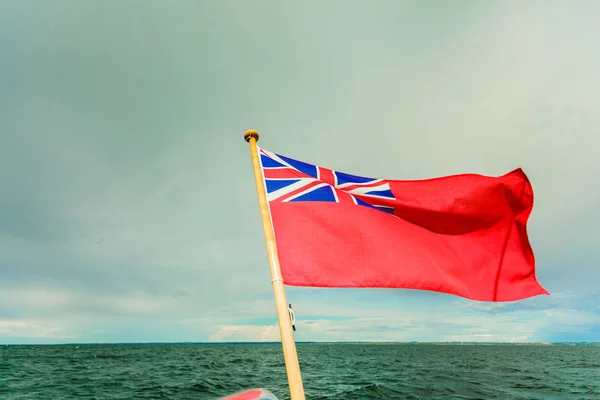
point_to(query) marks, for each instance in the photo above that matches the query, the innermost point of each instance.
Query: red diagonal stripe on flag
(283, 173)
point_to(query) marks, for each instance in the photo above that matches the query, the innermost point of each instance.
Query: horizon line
(413, 342)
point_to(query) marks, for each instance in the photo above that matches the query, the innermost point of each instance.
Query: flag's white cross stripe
(344, 185)
(363, 191)
(320, 185)
(276, 158)
(291, 188)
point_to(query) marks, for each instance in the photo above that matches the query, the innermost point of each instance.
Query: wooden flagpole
(285, 326)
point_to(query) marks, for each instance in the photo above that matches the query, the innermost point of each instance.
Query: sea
(329, 371)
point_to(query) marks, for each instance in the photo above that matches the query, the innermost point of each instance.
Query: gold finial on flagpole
(251, 133)
(290, 356)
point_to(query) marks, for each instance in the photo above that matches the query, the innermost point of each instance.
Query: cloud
(60, 302)
(384, 329)
(32, 329)
(246, 333)
(454, 321)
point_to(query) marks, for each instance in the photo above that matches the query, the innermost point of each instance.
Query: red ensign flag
(464, 235)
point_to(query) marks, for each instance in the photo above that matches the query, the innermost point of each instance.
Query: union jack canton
(289, 180)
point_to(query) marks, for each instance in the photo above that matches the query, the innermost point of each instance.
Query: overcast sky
(127, 203)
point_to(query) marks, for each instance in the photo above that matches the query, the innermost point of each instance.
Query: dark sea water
(330, 371)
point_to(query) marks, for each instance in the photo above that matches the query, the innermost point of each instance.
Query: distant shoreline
(311, 343)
